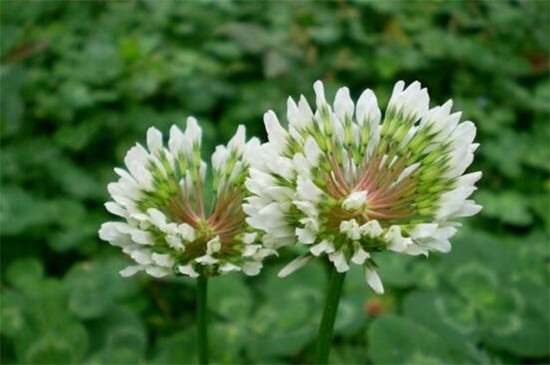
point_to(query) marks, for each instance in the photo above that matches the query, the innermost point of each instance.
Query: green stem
(324, 338)
(201, 320)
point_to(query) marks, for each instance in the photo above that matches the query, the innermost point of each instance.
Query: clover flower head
(168, 226)
(347, 181)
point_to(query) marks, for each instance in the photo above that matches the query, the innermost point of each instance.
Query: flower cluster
(347, 182)
(169, 227)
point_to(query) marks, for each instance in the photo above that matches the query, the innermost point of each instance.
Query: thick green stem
(324, 338)
(202, 329)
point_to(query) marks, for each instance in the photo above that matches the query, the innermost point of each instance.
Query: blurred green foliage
(80, 83)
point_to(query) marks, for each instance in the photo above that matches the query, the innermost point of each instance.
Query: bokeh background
(81, 82)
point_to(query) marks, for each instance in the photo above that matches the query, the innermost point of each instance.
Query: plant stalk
(201, 320)
(324, 338)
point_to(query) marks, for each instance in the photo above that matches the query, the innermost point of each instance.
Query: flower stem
(324, 337)
(201, 320)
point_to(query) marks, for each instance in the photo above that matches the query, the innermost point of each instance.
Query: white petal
(292, 113)
(273, 211)
(252, 268)
(415, 250)
(324, 246)
(278, 240)
(396, 92)
(283, 166)
(423, 230)
(306, 207)
(311, 223)
(407, 171)
(351, 229)
(176, 141)
(339, 260)
(343, 105)
(206, 260)
(319, 94)
(142, 237)
(174, 242)
(355, 200)
(250, 250)
(228, 267)
(163, 260)
(468, 209)
(294, 265)
(131, 270)
(116, 209)
(213, 246)
(263, 253)
(157, 272)
(237, 142)
(307, 190)
(193, 131)
(440, 120)
(305, 115)
(188, 270)
(141, 174)
(251, 147)
(464, 134)
(142, 257)
(444, 232)
(371, 229)
(312, 151)
(452, 201)
(219, 158)
(372, 278)
(249, 238)
(302, 164)
(413, 102)
(123, 174)
(359, 256)
(156, 217)
(154, 139)
(443, 246)
(305, 236)
(396, 241)
(136, 154)
(469, 179)
(187, 232)
(367, 109)
(276, 134)
(109, 231)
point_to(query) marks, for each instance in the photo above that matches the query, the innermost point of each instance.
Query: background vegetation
(81, 82)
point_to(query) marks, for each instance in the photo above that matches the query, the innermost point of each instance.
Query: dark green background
(81, 82)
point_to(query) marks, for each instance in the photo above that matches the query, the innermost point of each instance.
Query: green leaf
(510, 207)
(226, 343)
(395, 270)
(398, 340)
(67, 345)
(351, 315)
(475, 280)
(121, 337)
(25, 274)
(288, 318)
(12, 314)
(179, 348)
(94, 287)
(11, 103)
(249, 36)
(19, 210)
(519, 322)
(229, 297)
(447, 315)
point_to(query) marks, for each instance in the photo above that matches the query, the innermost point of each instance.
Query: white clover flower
(347, 184)
(169, 228)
